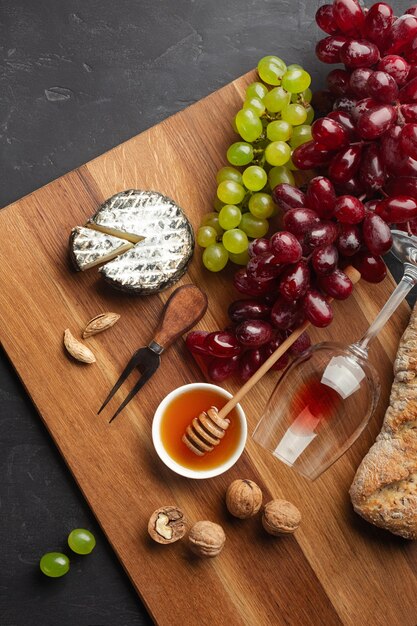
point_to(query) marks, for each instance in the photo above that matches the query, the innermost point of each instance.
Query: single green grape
(294, 66)
(301, 134)
(230, 192)
(291, 165)
(306, 95)
(248, 125)
(215, 257)
(234, 125)
(277, 153)
(240, 153)
(256, 90)
(261, 205)
(256, 105)
(240, 259)
(271, 69)
(296, 80)
(228, 173)
(54, 564)
(81, 541)
(279, 130)
(235, 241)
(206, 235)
(253, 226)
(229, 217)
(212, 219)
(217, 204)
(276, 99)
(254, 178)
(280, 174)
(295, 114)
(310, 114)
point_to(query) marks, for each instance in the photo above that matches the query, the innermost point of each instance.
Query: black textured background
(77, 78)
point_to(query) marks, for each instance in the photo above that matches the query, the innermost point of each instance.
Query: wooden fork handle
(183, 309)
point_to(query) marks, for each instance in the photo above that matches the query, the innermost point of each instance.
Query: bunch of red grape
(367, 145)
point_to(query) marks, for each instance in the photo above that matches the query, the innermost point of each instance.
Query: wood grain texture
(336, 569)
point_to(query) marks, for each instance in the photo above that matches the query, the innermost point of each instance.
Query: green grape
(228, 173)
(253, 226)
(291, 165)
(212, 219)
(235, 241)
(296, 80)
(301, 134)
(295, 114)
(305, 96)
(277, 153)
(81, 541)
(240, 259)
(229, 217)
(240, 153)
(294, 66)
(256, 90)
(261, 205)
(254, 178)
(215, 257)
(217, 204)
(271, 69)
(234, 125)
(206, 235)
(249, 125)
(54, 564)
(279, 130)
(280, 174)
(230, 192)
(256, 105)
(276, 99)
(310, 114)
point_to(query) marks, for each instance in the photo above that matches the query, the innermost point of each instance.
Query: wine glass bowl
(319, 407)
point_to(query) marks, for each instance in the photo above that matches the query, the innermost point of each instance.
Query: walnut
(206, 538)
(243, 498)
(280, 517)
(167, 524)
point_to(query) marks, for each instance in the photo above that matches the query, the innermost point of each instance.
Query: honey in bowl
(181, 411)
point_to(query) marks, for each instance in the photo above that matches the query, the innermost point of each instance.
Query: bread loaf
(384, 490)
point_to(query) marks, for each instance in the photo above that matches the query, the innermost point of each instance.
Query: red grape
(344, 120)
(328, 49)
(309, 155)
(377, 22)
(321, 196)
(325, 19)
(376, 234)
(358, 81)
(222, 344)
(295, 281)
(286, 314)
(400, 33)
(263, 268)
(288, 197)
(412, 10)
(382, 87)
(395, 66)
(390, 148)
(324, 260)
(409, 92)
(349, 240)
(376, 122)
(244, 284)
(406, 185)
(220, 369)
(323, 234)
(254, 333)
(410, 52)
(397, 209)
(408, 140)
(371, 267)
(195, 342)
(329, 134)
(241, 310)
(338, 82)
(299, 221)
(348, 15)
(300, 345)
(250, 362)
(345, 164)
(372, 171)
(270, 348)
(337, 285)
(345, 104)
(359, 53)
(317, 310)
(352, 187)
(286, 247)
(349, 210)
(258, 246)
(366, 104)
(409, 112)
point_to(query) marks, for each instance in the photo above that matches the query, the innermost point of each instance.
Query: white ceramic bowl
(181, 469)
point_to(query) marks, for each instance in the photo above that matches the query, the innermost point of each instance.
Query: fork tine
(134, 361)
(141, 382)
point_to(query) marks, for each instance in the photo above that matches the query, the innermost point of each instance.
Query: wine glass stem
(405, 285)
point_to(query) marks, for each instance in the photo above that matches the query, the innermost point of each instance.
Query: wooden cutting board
(337, 568)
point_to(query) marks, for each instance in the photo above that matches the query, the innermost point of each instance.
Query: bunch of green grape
(275, 119)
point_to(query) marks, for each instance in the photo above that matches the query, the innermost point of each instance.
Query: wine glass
(326, 397)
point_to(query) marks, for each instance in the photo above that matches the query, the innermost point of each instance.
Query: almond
(76, 349)
(99, 323)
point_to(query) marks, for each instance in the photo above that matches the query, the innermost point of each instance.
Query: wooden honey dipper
(207, 430)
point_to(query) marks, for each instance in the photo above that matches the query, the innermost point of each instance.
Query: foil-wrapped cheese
(163, 238)
(89, 248)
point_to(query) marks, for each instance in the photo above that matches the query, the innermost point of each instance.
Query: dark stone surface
(77, 78)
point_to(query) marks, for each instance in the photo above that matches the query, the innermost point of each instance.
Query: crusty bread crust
(384, 490)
